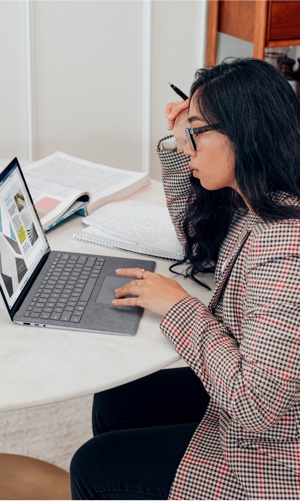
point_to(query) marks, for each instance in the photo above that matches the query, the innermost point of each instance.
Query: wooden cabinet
(265, 23)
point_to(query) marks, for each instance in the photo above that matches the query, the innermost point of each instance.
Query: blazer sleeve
(176, 183)
(257, 381)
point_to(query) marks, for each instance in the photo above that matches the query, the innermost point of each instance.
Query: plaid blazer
(245, 348)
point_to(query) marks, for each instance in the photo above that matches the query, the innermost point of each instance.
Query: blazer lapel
(227, 268)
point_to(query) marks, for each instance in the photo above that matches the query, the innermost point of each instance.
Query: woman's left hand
(151, 290)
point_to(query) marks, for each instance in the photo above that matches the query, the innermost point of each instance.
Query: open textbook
(134, 226)
(61, 185)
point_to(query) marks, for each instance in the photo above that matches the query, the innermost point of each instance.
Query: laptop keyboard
(64, 293)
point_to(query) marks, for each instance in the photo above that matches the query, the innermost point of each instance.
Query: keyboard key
(75, 319)
(81, 259)
(91, 261)
(45, 315)
(58, 310)
(78, 313)
(80, 308)
(55, 316)
(78, 267)
(82, 303)
(87, 269)
(52, 299)
(66, 315)
(88, 289)
(40, 304)
(51, 304)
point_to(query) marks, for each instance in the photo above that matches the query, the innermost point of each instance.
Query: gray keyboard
(66, 288)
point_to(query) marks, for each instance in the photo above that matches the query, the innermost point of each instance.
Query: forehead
(194, 113)
(193, 109)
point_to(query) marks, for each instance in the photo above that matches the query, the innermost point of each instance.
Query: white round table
(40, 366)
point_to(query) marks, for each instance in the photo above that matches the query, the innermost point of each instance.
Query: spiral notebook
(133, 226)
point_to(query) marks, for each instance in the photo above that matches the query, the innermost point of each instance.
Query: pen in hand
(179, 92)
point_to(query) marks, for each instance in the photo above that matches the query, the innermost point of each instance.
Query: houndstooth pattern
(245, 347)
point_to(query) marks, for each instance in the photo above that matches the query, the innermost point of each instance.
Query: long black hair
(257, 109)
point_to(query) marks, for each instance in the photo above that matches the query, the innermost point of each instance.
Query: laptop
(56, 289)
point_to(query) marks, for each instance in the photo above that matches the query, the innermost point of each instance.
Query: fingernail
(114, 301)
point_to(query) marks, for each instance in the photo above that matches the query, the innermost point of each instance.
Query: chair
(27, 478)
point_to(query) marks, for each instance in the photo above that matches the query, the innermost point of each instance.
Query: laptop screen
(22, 240)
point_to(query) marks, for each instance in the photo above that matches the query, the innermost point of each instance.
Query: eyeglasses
(191, 133)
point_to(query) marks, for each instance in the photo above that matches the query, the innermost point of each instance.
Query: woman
(240, 209)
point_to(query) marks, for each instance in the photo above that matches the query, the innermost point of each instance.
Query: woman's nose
(188, 150)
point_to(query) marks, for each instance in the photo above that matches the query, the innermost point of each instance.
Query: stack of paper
(135, 226)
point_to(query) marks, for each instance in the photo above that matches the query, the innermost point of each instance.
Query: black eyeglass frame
(190, 133)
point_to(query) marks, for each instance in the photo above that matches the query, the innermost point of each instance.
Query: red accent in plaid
(246, 348)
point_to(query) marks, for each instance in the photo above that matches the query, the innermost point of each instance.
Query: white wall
(229, 46)
(97, 72)
(86, 68)
(88, 80)
(178, 49)
(90, 77)
(13, 104)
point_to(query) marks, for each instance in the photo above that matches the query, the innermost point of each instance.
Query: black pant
(142, 430)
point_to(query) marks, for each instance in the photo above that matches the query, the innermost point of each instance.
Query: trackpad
(107, 292)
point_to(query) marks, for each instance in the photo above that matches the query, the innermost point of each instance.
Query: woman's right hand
(177, 115)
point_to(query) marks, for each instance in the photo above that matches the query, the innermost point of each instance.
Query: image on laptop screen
(22, 240)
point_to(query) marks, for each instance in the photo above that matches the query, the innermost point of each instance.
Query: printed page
(140, 223)
(75, 175)
(51, 199)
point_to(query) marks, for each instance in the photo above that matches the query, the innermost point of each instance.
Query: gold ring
(142, 272)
